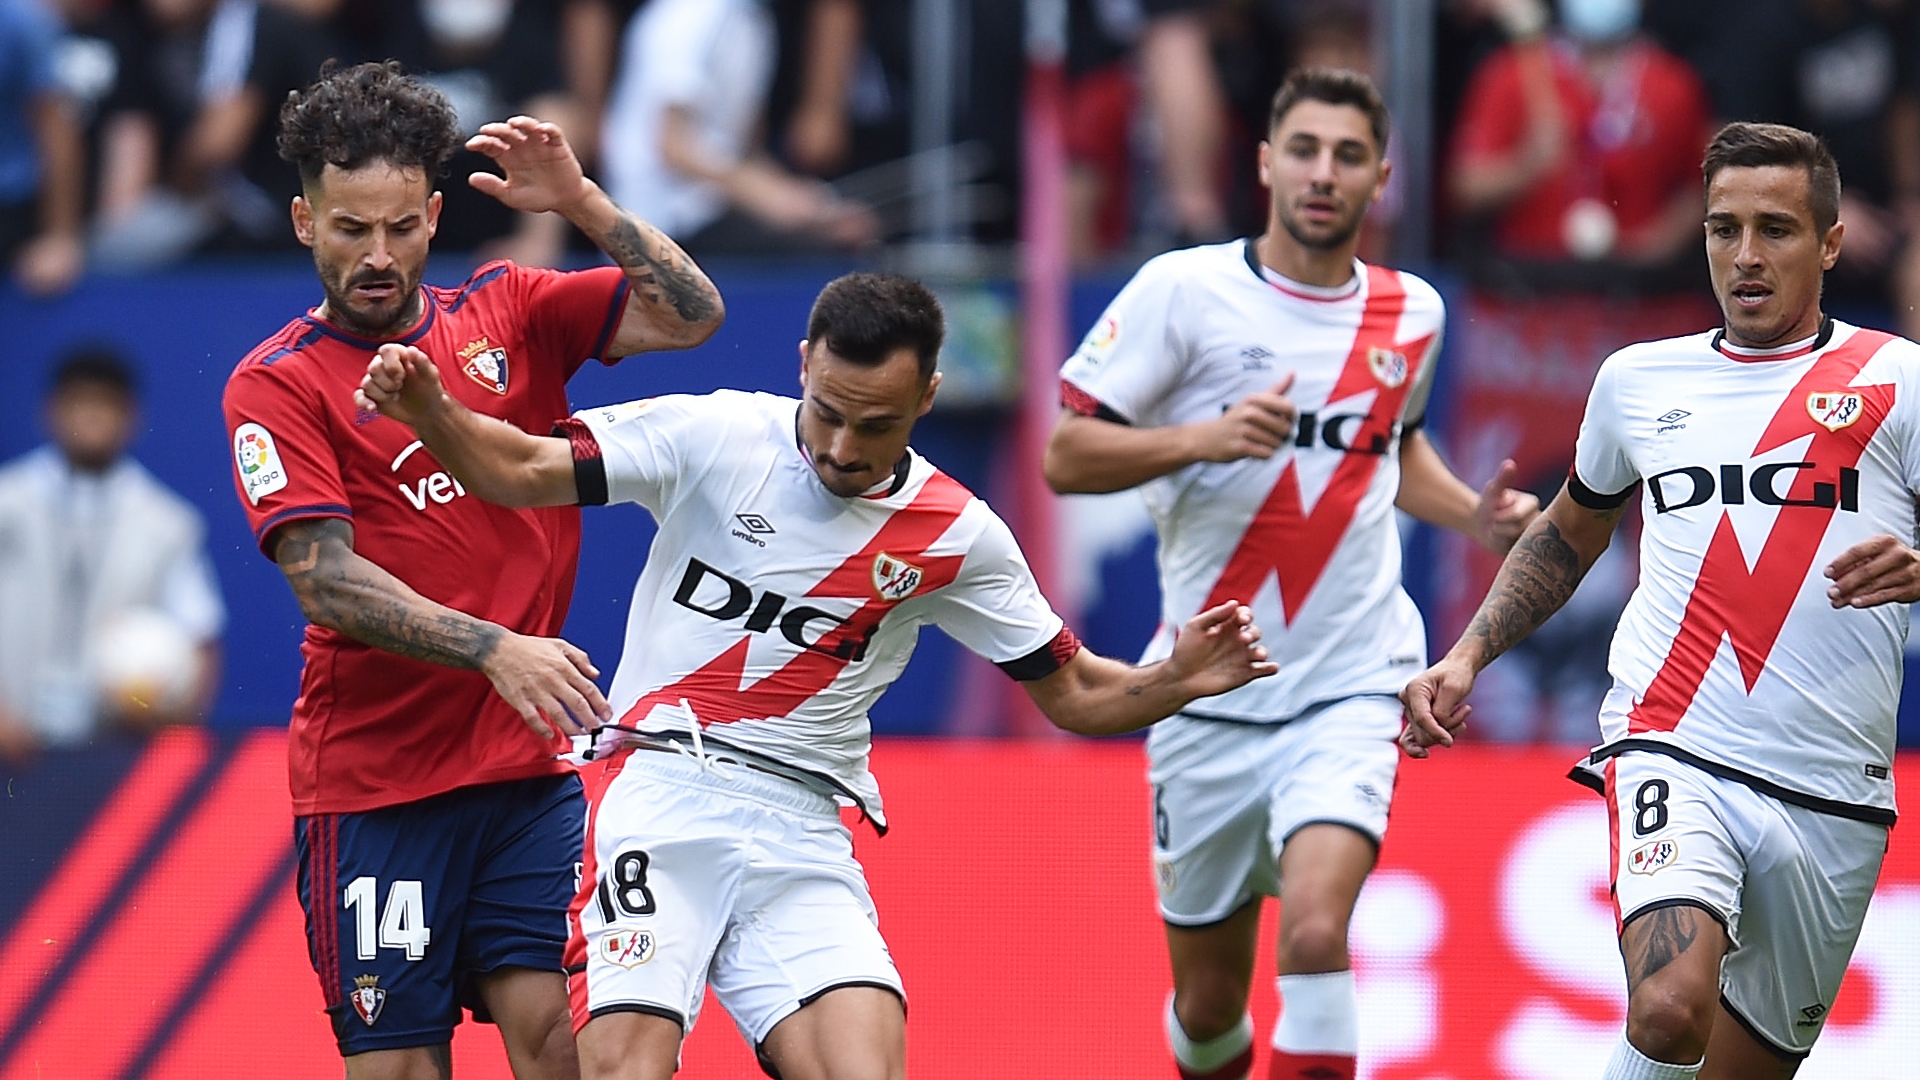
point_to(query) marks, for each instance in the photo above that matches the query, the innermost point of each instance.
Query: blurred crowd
(138, 132)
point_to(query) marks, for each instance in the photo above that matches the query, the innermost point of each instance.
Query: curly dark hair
(368, 112)
(864, 318)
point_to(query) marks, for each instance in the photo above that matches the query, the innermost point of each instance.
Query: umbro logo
(752, 528)
(1256, 357)
(1670, 421)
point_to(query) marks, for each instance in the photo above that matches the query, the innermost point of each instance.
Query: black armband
(589, 468)
(1076, 400)
(1596, 500)
(1044, 660)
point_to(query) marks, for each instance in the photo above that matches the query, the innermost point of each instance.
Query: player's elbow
(1066, 471)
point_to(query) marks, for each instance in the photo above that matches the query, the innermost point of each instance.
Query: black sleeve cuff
(1077, 400)
(1596, 500)
(589, 468)
(1044, 660)
(1408, 427)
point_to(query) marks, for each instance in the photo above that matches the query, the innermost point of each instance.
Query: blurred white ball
(1589, 230)
(144, 663)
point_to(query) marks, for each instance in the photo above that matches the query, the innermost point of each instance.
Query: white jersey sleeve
(1600, 458)
(1134, 355)
(656, 448)
(994, 606)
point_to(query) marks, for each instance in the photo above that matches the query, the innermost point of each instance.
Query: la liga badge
(1833, 409)
(895, 579)
(261, 472)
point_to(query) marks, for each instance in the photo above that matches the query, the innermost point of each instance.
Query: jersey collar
(427, 310)
(1782, 352)
(1300, 290)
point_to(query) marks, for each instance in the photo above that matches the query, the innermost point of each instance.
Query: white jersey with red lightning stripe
(1307, 537)
(1760, 468)
(771, 612)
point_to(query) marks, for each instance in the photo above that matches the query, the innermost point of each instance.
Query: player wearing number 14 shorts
(1266, 396)
(1748, 739)
(801, 548)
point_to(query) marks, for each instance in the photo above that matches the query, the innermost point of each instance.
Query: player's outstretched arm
(547, 681)
(1538, 576)
(1217, 650)
(1088, 455)
(671, 304)
(491, 458)
(1495, 516)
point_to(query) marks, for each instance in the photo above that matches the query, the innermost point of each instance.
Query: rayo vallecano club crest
(367, 997)
(1388, 366)
(1833, 409)
(485, 365)
(894, 579)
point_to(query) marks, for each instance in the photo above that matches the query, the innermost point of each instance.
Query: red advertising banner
(1015, 890)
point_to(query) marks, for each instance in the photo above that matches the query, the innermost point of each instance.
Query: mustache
(374, 278)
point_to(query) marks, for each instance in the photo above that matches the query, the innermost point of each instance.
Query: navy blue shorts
(417, 899)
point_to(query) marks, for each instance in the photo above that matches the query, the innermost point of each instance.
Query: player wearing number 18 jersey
(1267, 396)
(1748, 739)
(801, 548)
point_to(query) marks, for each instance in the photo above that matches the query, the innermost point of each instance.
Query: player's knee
(1314, 942)
(1669, 1020)
(1209, 1008)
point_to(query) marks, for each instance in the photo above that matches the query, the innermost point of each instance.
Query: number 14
(402, 922)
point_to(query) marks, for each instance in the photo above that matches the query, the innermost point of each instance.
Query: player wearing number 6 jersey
(437, 832)
(802, 545)
(1267, 397)
(1748, 739)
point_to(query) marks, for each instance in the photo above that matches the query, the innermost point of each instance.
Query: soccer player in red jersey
(438, 834)
(1266, 396)
(1747, 743)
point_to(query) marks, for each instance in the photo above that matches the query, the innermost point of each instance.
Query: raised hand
(1504, 511)
(1877, 570)
(1436, 706)
(401, 382)
(549, 682)
(1219, 650)
(542, 172)
(1256, 426)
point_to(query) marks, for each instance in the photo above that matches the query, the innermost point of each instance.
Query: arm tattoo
(1662, 936)
(1537, 578)
(342, 591)
(661, 273)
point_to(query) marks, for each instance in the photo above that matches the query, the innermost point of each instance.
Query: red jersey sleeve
(284, 467)
(572, 315)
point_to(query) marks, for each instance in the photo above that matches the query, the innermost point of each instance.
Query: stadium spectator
(422, 748)
(90, 544)
(42, 171)
(187, 159)
(682, 144)
(1583, 143)
(717, 854)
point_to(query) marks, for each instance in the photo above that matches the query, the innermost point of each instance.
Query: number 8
(1651, 799)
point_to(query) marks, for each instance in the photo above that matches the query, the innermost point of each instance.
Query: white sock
(1629, 1063)
(1319, 1014)
(1205, 1057)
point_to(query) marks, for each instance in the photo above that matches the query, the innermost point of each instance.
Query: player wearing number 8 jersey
(1267, 396)
(801, 547)
(1748, 739)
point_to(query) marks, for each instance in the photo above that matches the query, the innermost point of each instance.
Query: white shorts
(1790, 884)
(1227, 795)
(731, 877)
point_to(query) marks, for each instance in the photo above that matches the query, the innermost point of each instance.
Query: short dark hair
(94, 364)
(365, 113)
(864, 318)
(1743, 145)
(1334, 86)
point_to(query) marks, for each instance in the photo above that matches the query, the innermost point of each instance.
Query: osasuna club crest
(894, 579)
(1388, 366)
(485, 365)
(367, 997)
(1833, 409)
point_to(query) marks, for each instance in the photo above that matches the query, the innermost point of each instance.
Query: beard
(1337, 237)
(370, 320)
